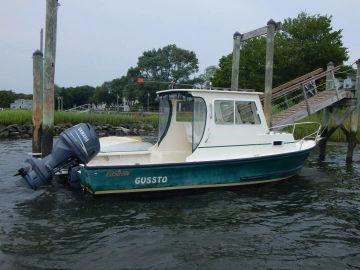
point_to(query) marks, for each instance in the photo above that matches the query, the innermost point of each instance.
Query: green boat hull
(157, 177)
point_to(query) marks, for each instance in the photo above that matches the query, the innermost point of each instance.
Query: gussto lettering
(150, 180)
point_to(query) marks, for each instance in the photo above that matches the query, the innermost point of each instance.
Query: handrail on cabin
(316, 135)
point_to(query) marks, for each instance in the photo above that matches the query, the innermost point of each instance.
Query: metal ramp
(308, 107)
(306, 95)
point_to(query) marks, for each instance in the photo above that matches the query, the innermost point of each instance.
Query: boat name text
(117, 173)
(150, 180)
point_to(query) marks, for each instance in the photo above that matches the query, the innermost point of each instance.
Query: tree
(161, 67)
(8, 96)
(102, 95)
(169, 63)
(307, 42)
(207, 77)
(75, 96)
(252, 66)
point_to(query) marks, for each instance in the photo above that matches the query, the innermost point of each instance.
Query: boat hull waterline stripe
(191, 187)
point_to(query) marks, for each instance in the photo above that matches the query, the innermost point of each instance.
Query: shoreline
(24, 131)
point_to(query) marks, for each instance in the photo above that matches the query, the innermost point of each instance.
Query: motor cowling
(78, 144)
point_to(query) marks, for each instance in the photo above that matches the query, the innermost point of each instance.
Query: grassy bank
(9, 117)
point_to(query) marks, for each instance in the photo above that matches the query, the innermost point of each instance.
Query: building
(21, 104)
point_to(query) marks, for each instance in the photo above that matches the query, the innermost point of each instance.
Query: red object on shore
(140, 80)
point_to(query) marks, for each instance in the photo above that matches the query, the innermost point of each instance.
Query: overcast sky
(99, 40)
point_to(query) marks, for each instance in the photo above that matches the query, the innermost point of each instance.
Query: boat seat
(169, 156)
(188, 130)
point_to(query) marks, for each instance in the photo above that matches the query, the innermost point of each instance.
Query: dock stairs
(309, 94)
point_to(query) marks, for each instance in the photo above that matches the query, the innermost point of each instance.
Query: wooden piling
(271, 26)
(37, 100)
(41, 40)
(49, 76)
(235, 61)
(354, 118)
(326, 115)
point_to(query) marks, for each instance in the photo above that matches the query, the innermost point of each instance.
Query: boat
(207, 139)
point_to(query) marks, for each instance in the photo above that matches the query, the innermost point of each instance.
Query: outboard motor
(78, 144)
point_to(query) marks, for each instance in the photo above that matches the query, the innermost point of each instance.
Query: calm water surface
(311, 221)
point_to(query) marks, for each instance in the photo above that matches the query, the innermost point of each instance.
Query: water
(308, 222)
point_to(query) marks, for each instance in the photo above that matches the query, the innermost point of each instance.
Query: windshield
(199, 121)
(188, 114)
(164, 117)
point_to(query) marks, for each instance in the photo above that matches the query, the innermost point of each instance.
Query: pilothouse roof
(209, 91)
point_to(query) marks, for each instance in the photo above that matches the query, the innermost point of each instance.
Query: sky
(99, 40)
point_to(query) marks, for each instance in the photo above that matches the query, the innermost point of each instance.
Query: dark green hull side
(156, 177)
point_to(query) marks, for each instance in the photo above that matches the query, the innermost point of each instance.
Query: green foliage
(169, 63)
(8, 96)
(222, 77)
(160, 66)
(112, 119)
(252, 66)
(75, 96)
(163, 66)
(207, 77)
(307, 42)
(102, 95)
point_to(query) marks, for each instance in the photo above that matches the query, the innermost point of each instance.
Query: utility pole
(271, 26)
(117, 102)
(235, 61)
(148, 101)
(49, 77)
(59, 103)
(37, 100)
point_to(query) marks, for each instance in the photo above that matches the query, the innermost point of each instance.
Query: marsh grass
(8, 117)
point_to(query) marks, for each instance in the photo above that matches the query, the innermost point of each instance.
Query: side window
(246, 113)
(224, 112)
